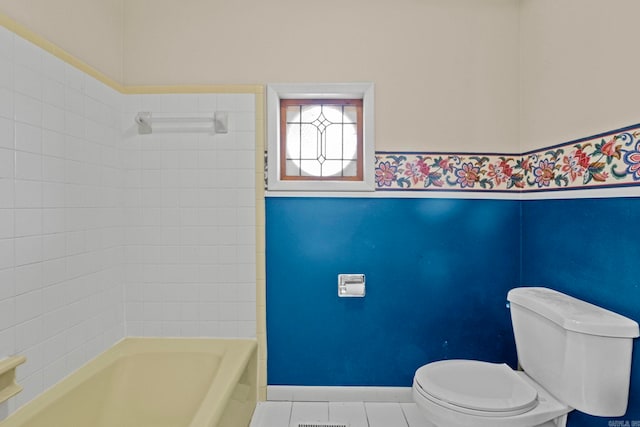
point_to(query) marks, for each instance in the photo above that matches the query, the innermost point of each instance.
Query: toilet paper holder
(351, 285)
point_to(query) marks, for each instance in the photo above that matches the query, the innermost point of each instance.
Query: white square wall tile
(208, 311)
(94, 110)
(242, 121)
(28, 166)
(27, 54)
(228, 329)
(245, 141)
(28, 194)
(74, 101)
(7, 313)
(28, 278)
(28, 306)
(6, 193)
(189, 311)
(131, 104)
(53, 118)
(53, 246)
(27, 110)
(27, 82)
(28, 222)
(236, 102)
(152, 311)
(54, 372)
(247, 329)
(189, 329)
(99, 91)
(246, 311)
(6, 73)
(53, 67)
(180, 206)
(7, 287)
(208, 329)
(32, 386)
(179, 103)
(150, 103)
(6, 103)
(6, 133)
(7, 161)
(56, 290)
(208, 103)
(53, 143)
(28, 138)
(78, 356)
(74, 124)
(54, 348)
(7, 338)
(53, 194)
(53, 220)
(28, 250)
(74, 78)
(7, 253)
(28, 334)
(53, 169)
(6, 44)
(53, 91)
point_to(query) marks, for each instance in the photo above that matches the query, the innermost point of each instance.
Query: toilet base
(548, 413)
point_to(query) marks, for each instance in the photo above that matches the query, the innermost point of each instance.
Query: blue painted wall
(437, 272)
(588, 248)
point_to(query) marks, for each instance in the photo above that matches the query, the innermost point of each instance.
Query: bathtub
(153, 382)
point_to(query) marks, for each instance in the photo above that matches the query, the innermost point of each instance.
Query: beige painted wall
(579, 69)
(90, 30)
(446, 71)
(464, 75)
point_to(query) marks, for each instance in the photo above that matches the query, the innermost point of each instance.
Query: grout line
(406, 419)
(290, 414)
(366, 414)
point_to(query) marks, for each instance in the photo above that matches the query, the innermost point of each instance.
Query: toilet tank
(577, 351)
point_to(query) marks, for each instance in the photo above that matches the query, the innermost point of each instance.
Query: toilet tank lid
(573, 314)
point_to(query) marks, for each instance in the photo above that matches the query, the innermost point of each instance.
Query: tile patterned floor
(353, 414)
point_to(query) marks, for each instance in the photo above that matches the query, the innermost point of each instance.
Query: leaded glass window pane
(322, 139)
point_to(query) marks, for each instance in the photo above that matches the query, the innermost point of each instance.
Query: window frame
(319, 91)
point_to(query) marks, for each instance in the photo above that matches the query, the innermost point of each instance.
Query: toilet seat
(476, 388)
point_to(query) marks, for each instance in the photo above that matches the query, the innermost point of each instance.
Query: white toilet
(573, 355)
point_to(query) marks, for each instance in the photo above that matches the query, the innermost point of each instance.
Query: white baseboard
(338, 394)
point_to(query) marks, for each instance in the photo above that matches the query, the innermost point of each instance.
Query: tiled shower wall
(190, 219)
(95, 218)
(61, 282)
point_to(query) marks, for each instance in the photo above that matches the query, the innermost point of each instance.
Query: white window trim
(276, 92)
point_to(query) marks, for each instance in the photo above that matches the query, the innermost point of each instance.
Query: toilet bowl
(464, 393)
(563, 346)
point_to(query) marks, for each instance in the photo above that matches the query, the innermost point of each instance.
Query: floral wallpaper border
(606, 160)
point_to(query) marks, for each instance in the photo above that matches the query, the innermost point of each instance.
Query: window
(320, 137)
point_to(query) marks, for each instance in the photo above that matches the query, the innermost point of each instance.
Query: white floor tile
(413, 415)
(351, 413)
(385, 414)
(271, 414)
(309, 412)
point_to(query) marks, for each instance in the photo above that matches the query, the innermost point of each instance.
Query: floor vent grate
(322, 425)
